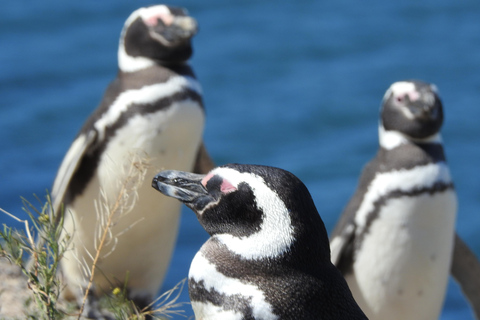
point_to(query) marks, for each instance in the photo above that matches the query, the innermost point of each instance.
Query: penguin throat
(390, 139)
(127, 63)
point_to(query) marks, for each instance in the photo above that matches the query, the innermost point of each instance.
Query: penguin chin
(421, 127)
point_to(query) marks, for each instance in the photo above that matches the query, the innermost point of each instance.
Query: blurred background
(292, 84)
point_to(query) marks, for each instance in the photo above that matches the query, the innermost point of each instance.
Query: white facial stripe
(146, 13)
(276, 232)
(147, 94)
(403, 180)
(390, 139)
(202, 270)
(150, 13)
(401, 88)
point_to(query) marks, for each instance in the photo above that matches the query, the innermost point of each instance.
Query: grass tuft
(40, 261)
(18, 246)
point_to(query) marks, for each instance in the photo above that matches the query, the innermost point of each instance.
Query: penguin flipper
(69, 166)
(343, 237)
(465, 270)
(342, 243)
(203, 163)
(67, 169)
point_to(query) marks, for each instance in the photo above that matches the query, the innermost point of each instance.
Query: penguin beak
(180, 29)
(424, 111)
(184, 186)
(424, 106)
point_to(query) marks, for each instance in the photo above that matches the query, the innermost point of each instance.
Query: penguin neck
(398, 151)
(130, 64)
(305, 259)
(391, 139)
(127, 63)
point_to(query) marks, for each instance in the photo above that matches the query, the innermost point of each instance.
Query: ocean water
(292, 84)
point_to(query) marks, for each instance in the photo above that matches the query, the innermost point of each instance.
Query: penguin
(394, 240)
(268, 255)
(151, 118)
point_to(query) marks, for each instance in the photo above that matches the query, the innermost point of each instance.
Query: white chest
(163, 140)
(405, 257)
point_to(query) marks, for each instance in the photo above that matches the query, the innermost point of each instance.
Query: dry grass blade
(122, 205)
(167, 304)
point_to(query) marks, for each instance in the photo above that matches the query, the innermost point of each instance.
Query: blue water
(293, 84)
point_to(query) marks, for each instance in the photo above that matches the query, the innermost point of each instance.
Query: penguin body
(395, 239)
(151, 117)
(268, 255)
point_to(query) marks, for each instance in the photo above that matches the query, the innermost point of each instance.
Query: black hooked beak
(425, 108)
(184, 186)
(182, 29)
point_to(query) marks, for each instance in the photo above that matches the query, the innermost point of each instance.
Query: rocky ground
(14, 292)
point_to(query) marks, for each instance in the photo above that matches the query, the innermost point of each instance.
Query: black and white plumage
(268, 255)
(395, 238)
(151, 113)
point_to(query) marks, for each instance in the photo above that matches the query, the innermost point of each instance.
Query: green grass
(20, 247)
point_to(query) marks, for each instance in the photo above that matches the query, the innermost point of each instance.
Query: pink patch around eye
(414, 95)
(227, 187)
(153, 20)
(206, 179)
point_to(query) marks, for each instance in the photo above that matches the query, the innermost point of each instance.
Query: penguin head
(157, 33)
(258, 211)
(412, 108)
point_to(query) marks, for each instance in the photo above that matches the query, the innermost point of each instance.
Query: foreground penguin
(152, 116)
(268, 255)
(395, 239)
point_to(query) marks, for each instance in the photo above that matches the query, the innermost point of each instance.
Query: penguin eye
(218, 183)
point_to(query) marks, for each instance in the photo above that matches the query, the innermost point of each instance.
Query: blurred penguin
(394, 241)
(151, 118)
